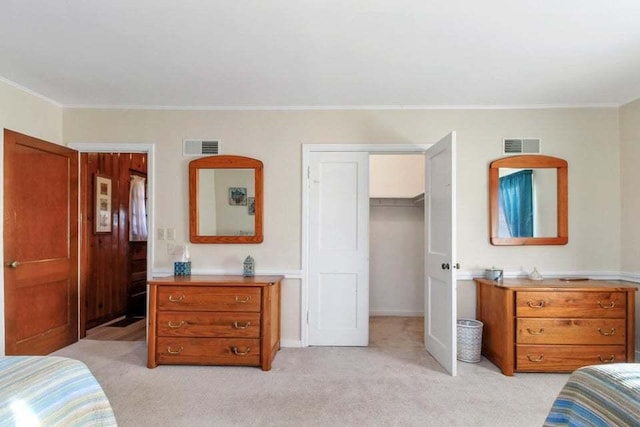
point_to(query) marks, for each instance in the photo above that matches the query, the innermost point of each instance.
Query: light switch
(171, 234)
(161, 233)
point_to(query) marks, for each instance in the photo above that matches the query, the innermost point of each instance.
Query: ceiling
(323, 53)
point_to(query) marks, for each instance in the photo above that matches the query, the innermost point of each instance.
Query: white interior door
(440, 251)
(339, 249)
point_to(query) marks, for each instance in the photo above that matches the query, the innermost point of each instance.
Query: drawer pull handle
(538, 332)
(175, 325)
(241, 353)
(178, 351)
(609, 360)
(607, 334)
(611, 305)
(237, 325)
(243, 300)
(535, 360)
(176, 299)
(540, 304)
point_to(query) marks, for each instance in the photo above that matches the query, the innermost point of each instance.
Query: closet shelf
(397, 201)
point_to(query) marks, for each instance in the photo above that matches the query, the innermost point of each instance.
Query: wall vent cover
(200, 147)
(521, 146)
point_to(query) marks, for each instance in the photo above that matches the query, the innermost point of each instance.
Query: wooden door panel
(40, 234)
(50, 300)
(40, 189)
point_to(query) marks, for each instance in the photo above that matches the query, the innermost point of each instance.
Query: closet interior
(396, 239)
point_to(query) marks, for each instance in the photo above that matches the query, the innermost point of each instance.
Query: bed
(51, 391)
(599, 395)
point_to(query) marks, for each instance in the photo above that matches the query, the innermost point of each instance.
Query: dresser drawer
(565, 358)
(571, 304)
(208, 351)
(221, 298)
(571, 331)
(214, 324)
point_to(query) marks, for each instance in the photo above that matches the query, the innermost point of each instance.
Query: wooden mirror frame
(224, 162)
(530, 161)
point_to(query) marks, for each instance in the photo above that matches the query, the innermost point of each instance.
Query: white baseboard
(290, 343)
(630, 277)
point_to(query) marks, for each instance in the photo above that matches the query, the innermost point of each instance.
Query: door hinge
(307, 317)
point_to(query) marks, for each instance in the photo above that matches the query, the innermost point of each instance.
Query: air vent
(521, 146)
(199, 147)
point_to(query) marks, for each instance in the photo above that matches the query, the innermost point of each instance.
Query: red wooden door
(40, 245)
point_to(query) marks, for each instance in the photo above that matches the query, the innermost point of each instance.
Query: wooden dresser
(214, 320)
(554, 325)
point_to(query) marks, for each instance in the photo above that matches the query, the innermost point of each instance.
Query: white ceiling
(323, 53)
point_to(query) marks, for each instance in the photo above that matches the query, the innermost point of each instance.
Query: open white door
(440, 251)
(339, 249)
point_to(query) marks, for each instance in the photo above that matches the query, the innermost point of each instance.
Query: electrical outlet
(161, 233)
(171, 234)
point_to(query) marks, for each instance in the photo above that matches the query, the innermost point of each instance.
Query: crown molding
(338, 107)
(30, 92)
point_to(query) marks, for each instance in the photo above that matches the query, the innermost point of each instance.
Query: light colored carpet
(318, 386)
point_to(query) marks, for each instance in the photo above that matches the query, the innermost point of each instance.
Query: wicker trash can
(469, 340)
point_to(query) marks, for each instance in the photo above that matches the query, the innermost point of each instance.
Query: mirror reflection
(227, 202)
(528, 200)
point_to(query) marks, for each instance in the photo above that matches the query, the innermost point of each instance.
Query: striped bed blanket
(51, 391)
(601, 395)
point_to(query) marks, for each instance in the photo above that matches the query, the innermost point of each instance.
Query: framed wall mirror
(225, 200)
(528, 201)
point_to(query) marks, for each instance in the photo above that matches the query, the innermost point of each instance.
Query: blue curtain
(516, 197)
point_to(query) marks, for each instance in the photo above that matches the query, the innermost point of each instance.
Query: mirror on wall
(225, 200)
(528, 201)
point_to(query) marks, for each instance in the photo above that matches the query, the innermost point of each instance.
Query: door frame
(149, 150)
(307, 149)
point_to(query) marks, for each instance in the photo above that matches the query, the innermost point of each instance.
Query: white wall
(587, 138)
(630, 190)
(396, 262)
(630, 199)
(396, 175)
(32, 115)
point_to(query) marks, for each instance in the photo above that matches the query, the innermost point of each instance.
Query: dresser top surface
(559, 284)
(219, 280)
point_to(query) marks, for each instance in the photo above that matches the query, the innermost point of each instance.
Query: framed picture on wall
(238, 196)
(102, 213)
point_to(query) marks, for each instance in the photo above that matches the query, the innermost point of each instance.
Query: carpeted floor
(385, 384)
